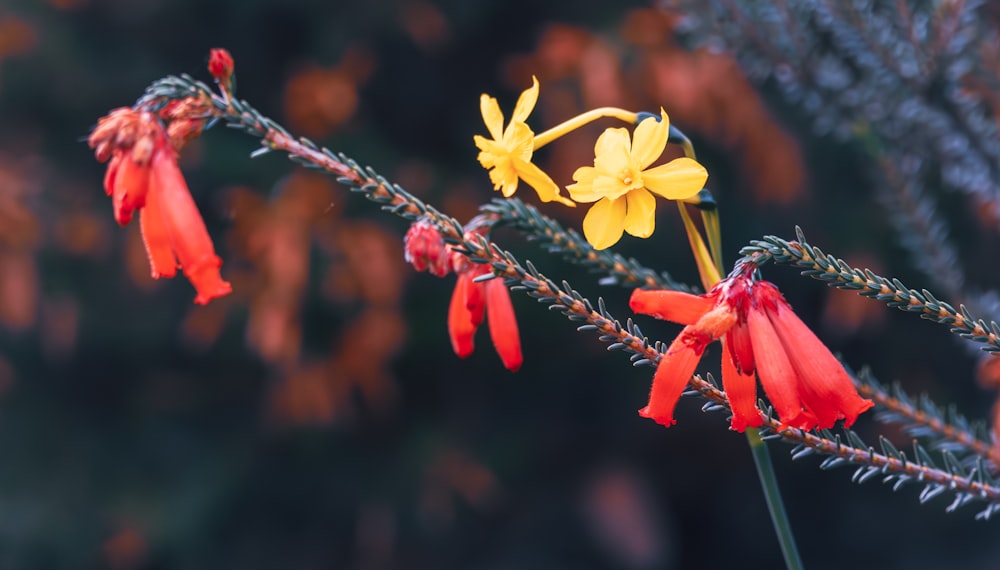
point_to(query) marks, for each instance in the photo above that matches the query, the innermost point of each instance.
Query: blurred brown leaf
(17, 36)
(357, 371)
(452, 474)
(304, 396)
(276, 237)
(366, 263)
(845, 313)
(318, 99)
(126, 548)
(425, 24)
(708, 96)
(619, 515)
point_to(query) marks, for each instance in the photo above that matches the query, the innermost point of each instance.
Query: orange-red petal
(673, 306)
(475, 297)
(775, 371)
(207, 280)
(737, 341)
(112, 171)
(741, 389)
(461, 328)
(503, 324)
(825, 387)
(188, 235)
(130, 185)
(156, 237)
(672, 374)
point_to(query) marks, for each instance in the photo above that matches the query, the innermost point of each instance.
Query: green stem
(765, 471)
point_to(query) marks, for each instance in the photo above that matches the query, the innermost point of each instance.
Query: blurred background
(317, 418)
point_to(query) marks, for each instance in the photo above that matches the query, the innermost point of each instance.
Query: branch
(837, 273)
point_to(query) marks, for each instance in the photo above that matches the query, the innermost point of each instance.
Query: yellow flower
(623, 187)
(508, 154)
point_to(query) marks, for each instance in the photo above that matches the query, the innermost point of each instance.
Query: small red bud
(220, 64)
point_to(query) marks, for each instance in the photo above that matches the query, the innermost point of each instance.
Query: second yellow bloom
(623, 186)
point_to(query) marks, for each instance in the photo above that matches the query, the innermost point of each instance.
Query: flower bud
(426, 250)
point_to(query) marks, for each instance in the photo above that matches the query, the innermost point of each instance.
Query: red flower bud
(220, 64)
(425, 249)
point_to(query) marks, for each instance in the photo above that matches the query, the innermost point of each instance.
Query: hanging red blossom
(143, 175)
(760, 332)
(472, 301)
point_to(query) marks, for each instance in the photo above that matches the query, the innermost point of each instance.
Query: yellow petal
(676, 180)
(492, 116)
(584, 175)
(526, 102)
(535, 177)
(604, 223)
(504, 177)
(650, 139)
(583, 189)
(610, 187)
(487, 154)
(611, 153)
(640, 215)
(519, 140)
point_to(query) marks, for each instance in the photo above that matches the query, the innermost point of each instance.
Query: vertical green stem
(772, 495)
(761, 457)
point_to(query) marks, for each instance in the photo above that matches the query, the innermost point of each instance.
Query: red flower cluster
(472, 301)
(425, 249)
(143, 175)
(760, 333)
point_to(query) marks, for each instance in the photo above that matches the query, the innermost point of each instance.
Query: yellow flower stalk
(623, 186)
(507, 155)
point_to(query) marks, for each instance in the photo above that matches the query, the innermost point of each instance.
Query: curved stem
(772, 495)
(709, 216)
(708, 268)
(581, 120)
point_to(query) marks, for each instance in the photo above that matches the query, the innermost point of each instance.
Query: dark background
(317, 418)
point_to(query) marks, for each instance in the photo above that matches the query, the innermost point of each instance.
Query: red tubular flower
(143, 175)
(760, 333)
(471, 303)
(824, 389)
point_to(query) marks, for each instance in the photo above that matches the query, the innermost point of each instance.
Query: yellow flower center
(630, 179)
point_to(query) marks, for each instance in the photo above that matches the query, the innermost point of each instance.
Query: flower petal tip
(216, 290)
(662, 420)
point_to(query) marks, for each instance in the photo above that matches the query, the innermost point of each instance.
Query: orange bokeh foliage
(618, 507)
(846, 313)
(319, 100)
(424, 23)
(126, 548)
(452, 474)
(276, 237)
(17, 37)
(20, 238)
(68, 4)
(355, 372)
(360, 268)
